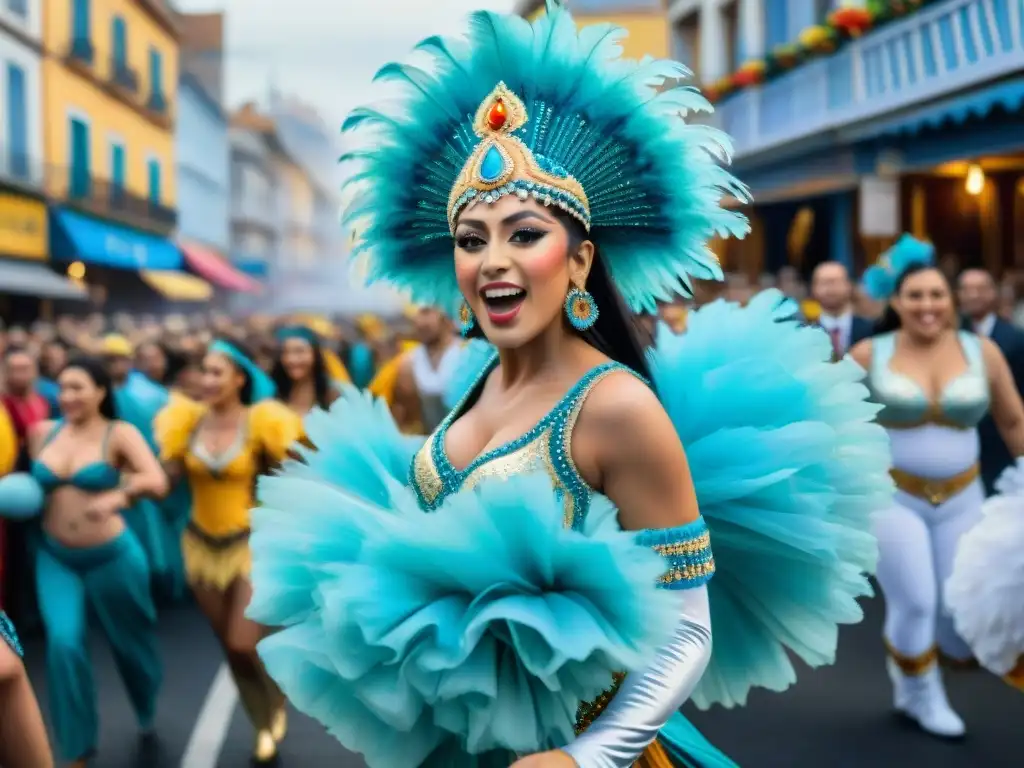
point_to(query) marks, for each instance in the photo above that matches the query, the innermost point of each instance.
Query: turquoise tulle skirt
(463, 637)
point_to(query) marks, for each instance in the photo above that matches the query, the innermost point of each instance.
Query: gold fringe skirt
(654, 756)
(215, 561)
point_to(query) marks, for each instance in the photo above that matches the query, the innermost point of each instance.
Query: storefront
(125, 269)
(28, 287)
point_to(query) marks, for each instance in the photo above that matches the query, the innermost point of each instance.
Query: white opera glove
(646, 700)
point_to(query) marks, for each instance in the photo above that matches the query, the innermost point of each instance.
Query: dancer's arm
(23, 742)
(632, 453)
(143, 476)
(1007, 408)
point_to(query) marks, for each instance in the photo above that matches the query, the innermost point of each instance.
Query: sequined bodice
(545, 448)
(962, 404)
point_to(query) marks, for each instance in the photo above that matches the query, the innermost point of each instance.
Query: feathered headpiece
(880, 280)
(540, 110)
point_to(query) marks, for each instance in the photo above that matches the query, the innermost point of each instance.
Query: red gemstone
(497, 115)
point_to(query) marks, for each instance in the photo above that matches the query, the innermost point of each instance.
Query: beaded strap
(8, 634)
(687, 553)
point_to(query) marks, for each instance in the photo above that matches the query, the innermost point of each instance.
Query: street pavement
(836, 717)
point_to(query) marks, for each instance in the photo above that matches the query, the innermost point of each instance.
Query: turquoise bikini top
(95, 477)
(963, 403)
(545, 448)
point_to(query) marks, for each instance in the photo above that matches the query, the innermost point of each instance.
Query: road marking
(211, 729)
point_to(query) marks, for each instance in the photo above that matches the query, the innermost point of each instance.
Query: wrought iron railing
(945, 48)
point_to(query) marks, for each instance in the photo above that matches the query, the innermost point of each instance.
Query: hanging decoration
(819, 40)
(851, 21)
(846, 24)
(751, 73)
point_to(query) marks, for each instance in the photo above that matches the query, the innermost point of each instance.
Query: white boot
(922, 698)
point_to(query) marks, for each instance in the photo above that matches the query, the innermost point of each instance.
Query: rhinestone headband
(503, 165)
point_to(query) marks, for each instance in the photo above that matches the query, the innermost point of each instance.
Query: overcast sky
(326, 51)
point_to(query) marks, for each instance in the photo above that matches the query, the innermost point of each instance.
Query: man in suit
(832, 290)
(978, 297)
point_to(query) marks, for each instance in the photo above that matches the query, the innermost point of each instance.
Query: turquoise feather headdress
(880, 280)
(545, 111)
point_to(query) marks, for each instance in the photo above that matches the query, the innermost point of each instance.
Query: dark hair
(890, 319)
(615, 333)
(321, 382)
(245, 393)
(95, 369)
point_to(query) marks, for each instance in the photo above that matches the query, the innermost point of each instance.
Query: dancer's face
(80, 396)
(515, 263)
(297, 358)
(925, 304)
(222, 380)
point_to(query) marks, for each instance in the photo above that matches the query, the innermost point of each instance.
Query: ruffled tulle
(985, 593)
(788, 469)
(478, 628)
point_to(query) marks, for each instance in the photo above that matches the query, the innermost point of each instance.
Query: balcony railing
(123, 76)
(82, 50)
(943, 49)
(246, 209)
(157, 103)
(20, 170)
(108, 199)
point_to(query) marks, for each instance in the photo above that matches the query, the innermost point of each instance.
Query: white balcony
(943, 49)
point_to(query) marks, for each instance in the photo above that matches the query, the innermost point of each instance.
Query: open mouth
(503, 301)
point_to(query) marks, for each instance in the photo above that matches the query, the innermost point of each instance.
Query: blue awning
(76, 237)
(254, 266)
(1007, 95)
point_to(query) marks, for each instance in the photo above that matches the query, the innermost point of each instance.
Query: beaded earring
(466, 319)
(581, 309)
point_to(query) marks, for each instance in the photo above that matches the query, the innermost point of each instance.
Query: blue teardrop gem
(492, 166)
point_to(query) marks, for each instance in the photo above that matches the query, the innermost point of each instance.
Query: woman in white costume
(935, 383)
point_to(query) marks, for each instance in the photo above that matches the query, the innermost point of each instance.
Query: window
(687, 44)
(153, 168)
(117, 165)
(822, 9)
(776, 23)
(17, 122)
(81, 176)
(119, 42)
(18, 7)
(81, 23)
(156, 73)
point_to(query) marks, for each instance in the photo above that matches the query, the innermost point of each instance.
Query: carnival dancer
(425, 371)
(91, 467)
(300, 371)
(23, 742)
(220, 447)
(563, 180)
(935, 383)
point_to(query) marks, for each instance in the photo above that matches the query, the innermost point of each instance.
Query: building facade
(203, 167)
(650, 34)
(255, 219)
(886, 118)
(109, 99)
(25, 278)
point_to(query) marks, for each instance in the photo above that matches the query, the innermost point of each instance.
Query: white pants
(917, 541)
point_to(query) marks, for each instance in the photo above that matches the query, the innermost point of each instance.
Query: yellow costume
(384, 383)
(215, 544)
(8, 443)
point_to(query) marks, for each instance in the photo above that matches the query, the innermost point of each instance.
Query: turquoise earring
(466, 319)
(581, 309)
